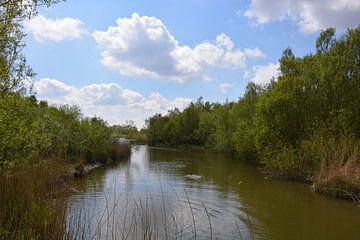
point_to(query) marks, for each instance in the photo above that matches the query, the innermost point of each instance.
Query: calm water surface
(176, 193)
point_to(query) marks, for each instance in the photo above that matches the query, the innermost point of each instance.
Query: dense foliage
(291, 124)
(32, 131)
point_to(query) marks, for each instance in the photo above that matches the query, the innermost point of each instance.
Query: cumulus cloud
(224, 87)
(52, 89)
(109, 101)
(143, 46)
(310, 15)
(56, 30)
(263, 74)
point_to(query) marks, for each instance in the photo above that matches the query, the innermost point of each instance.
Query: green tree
(243, 137)
(313, 93)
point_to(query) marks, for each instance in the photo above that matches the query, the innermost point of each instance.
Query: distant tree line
(289, 125)
(129, 131)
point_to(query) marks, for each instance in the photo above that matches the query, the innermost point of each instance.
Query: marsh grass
(29, 208)
(339, 173)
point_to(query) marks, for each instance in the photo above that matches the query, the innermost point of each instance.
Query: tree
(315, 94)
(325, 40)
(243, 112)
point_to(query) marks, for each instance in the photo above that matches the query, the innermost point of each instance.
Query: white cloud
(310, 15)
(224, 87)
(254, 53)
(263, 74)
(53, 89)
(56, 30)
(143, 46)
(109, 101)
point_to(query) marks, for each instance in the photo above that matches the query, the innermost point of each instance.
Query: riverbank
(117, 149)
(31, 205)
(330, 165)
(341, 183)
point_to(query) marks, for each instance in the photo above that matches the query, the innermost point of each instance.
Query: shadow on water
(197, 188)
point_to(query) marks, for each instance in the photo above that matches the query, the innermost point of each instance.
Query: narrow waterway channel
(180, 194)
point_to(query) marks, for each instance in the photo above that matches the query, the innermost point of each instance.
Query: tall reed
(339, 173)
(29, 205)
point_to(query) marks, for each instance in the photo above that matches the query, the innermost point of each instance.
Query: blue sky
(126, 60)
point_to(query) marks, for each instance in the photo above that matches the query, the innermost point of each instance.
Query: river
(186, 194)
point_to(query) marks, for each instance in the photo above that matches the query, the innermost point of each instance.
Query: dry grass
(339, 173)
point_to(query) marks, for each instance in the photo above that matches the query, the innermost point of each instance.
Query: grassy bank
(331, 165)
(339, 171)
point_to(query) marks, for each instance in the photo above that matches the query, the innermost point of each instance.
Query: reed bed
(339, 173)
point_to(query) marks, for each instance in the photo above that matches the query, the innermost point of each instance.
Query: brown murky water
(172, 194)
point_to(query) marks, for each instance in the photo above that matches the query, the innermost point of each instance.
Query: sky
(130, 59)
